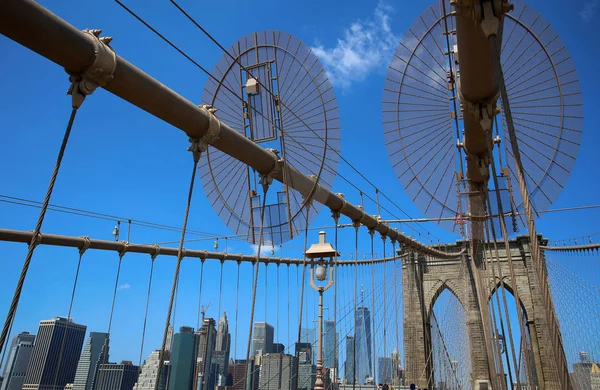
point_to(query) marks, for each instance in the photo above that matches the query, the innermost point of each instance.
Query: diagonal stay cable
(36, 232)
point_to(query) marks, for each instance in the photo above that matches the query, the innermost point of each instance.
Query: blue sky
(124, 162)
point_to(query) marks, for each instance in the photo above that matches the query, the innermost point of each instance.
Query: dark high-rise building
(18, 359)
(95, 353)
(245, 377)
(183, 358)
(262, 339)
(222, 350)
(43, 371)
(349, 364)
(206, 361)
(330, 345)
(113, 376)
(278, 348)
(278, 372)
(364, 362)
(306, 368)
(308, 335)
(238, 374)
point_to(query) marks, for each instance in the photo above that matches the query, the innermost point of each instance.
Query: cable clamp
(336, 214)
(156, 252)
(214, 128)
(85, 246)
(123, 250)
(99, 74)
(37, 240)
(267, 178)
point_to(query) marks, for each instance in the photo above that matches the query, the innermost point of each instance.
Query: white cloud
(266, 249)
(124, 286)
(589, 9)
(367, 46)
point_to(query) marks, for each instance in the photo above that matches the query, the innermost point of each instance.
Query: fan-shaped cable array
(284, 101)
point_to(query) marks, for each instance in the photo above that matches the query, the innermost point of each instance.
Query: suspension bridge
(482, 118)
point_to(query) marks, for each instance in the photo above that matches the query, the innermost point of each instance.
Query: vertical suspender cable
(112, 311)
(373, 336)
(385, 356)
(237, 298)
(147, 306)
(177, 268)
(356, 227)
(336, 219)
(255, 282)
(395, 369)
(64, 337)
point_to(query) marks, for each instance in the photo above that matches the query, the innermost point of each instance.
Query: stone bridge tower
(424, 280)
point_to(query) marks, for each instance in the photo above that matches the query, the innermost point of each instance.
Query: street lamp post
(322, 254)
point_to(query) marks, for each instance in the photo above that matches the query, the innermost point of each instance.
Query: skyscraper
(364, 363)
(183, 356)
(95, 353)
(222, 349)
(306, 368)
(43, 371)
(18, 359)
(113, 376)
(207, 374)
(330, 345)
(278, 348)
(397, 374)
(349, 364)
(149, 371)
(262, 339)
(238, 375)
(384, 370)
(308, 335)
(278, 372)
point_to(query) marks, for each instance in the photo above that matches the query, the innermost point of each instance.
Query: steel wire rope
(237, 296)
(255, 281)
(492, 289)
(384, 313)
(372, 233)
(177, 267)
(430, 355)
(339, 311)
(19, 201)
(572, 299)
(504, 232)
(396, 309)
(152, 258)
(301, 300)
(64, 337)
(356, 227)
(313, 344)
(36, 232)
(259, 82)
(112, 311)
(336, 216)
